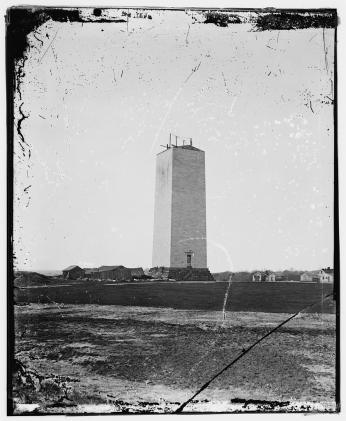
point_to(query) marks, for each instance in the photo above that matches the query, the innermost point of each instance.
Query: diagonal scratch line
(312, 37)
(193, 71)
(176, 96)
(56, 33)
(245, 351)
(163, 121)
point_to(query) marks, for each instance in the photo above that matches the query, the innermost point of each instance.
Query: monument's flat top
(192, 148)
(189, 147)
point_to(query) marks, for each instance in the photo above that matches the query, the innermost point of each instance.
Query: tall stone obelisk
(180, 238)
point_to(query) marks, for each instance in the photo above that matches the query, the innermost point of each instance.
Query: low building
(281, 276)
(114, 273)
(137, 273)
(257, 276)
(309, 276)
(269, 276)
(73, 272)
(90, 273)
(265, 276)
(324, 276)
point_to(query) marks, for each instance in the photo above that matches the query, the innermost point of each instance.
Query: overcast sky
(101, 98)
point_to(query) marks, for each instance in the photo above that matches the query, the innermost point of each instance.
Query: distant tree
(221, 19)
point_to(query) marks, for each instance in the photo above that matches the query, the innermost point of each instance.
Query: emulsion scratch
(225, 83)
(19, 128)
(187, 36)
(312, 37)
(226, 298)
(20, 75)
(228, 91)
(193, 71)
(56, 33)
(54, 54)
(325, 50)
(38, 39)
(214, 343)
(174, 100)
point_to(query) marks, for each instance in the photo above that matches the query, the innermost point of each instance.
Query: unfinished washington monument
(180, 238)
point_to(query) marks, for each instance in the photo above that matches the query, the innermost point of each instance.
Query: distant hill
(221, 276)
(236, 276)
(26, 279)
(49, 272)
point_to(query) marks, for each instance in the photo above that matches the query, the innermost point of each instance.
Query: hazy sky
(101, 100)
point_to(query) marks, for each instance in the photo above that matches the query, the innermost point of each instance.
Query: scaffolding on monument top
(172, 145)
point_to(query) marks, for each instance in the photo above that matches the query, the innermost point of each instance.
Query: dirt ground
(93, 358)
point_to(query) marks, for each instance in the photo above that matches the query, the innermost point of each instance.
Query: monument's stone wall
(182, 274)
(163, 210)
(188, 208)
(180, 208)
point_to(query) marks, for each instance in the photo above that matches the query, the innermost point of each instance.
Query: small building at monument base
(182, 274)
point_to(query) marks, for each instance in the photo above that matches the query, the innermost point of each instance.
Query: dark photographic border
(22, 20)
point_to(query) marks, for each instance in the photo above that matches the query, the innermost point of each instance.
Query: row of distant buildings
(325, 276)
(114, 273)
(122, 273)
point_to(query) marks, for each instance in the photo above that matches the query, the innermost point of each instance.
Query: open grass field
(283, 297)
(77, 358)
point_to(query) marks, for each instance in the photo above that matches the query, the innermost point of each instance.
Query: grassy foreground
(283, 297)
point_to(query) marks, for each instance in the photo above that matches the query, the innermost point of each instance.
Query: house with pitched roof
(114, 273)
(324, 276)
(73, 272)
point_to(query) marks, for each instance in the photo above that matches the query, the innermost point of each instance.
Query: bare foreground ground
(76, 358)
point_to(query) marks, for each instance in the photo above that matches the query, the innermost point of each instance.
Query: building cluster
(267, 276)
(325, 276)
(111, 273)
